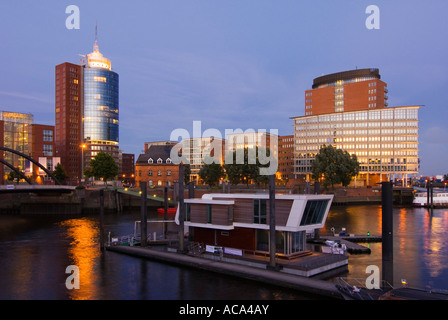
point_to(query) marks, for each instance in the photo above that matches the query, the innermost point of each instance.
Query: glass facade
(385, 141)
(17, 136)
(101, 105)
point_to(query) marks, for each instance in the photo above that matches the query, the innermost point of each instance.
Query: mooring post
(181, 208)
(272, 243)
(387, 232)
(102, 219)
(165, 204)
(144, 214)
(432, 196)
(191, 190)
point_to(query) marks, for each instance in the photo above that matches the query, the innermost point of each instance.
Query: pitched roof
(155, 153)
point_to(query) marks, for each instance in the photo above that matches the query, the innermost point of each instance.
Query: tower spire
(95, 46)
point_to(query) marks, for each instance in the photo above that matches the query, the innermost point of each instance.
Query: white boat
(440, 199)
(334, 247)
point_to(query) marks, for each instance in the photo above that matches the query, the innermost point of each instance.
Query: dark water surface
(36, 250)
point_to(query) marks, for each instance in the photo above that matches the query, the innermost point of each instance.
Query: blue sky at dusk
(229, 64)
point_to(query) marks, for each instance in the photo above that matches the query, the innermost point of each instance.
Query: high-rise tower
(87, 102)
(101, 102)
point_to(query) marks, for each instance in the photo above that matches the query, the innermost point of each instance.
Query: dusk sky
(229, 64)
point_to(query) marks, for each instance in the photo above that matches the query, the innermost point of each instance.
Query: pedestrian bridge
(35, 188)
(152, 197)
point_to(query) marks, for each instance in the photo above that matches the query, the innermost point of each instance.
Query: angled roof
(155, 152)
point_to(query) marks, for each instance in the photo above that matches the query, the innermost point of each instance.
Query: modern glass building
(101, 98)
(100, 107)
(385, 141)
(16, 129)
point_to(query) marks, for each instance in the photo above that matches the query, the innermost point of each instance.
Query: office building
(285, 171)
(19, 133)
(68, 118)
(360, 89)
(87, 104)
(384, 139)
(43, 150)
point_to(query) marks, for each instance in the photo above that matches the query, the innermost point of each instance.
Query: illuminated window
(99, 79)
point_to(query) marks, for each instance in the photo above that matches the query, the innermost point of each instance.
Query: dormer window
(168, 160)
(159, 160)
(150, 161)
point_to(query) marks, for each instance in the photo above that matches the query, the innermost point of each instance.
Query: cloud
(39, 98)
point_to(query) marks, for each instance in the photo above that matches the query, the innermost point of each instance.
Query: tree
(59, 173)
(211, 172)
(12, 176)
(103, 166)
(187, 173)
(249, 170)
(334, 166)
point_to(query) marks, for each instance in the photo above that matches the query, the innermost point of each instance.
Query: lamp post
(83, 146)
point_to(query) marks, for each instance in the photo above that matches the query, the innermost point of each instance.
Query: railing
(196, 248)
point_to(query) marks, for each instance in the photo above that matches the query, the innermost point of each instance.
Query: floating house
(240, 222)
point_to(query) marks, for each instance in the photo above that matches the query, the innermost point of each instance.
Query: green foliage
(249, 170)
(335, 166)
(59, 173)
(12, 176)
(187, 173)
(102, 166)
(211, 172)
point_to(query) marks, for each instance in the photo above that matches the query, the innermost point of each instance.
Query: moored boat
(439, 199)
(170, 211)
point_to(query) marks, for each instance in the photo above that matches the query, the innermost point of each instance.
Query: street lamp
(83, 146)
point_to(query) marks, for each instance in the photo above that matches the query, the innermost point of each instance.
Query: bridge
(149, 197)
(35, 188)
(31, 160)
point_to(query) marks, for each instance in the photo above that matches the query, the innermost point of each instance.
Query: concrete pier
(282, 279)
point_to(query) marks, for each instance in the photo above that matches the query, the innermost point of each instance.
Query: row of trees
(246, 172)
(331, 166)
(102, 166)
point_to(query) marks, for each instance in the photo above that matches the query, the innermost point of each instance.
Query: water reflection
(420, 242)
(34, 252)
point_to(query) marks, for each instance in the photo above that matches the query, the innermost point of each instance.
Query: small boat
(439, 199)
(171, 211)
(334, 247)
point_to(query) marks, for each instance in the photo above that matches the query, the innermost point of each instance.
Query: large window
(260, 211)
(314, 212)
(209, 213)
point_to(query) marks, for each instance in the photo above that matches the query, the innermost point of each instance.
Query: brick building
(156, 168)
(353, 90)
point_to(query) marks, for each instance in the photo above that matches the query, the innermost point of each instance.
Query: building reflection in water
(83, 251)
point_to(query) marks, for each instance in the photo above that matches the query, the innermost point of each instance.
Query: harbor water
(35, 251)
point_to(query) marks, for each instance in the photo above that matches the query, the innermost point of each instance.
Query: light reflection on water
(35, 251)
(420, 242)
